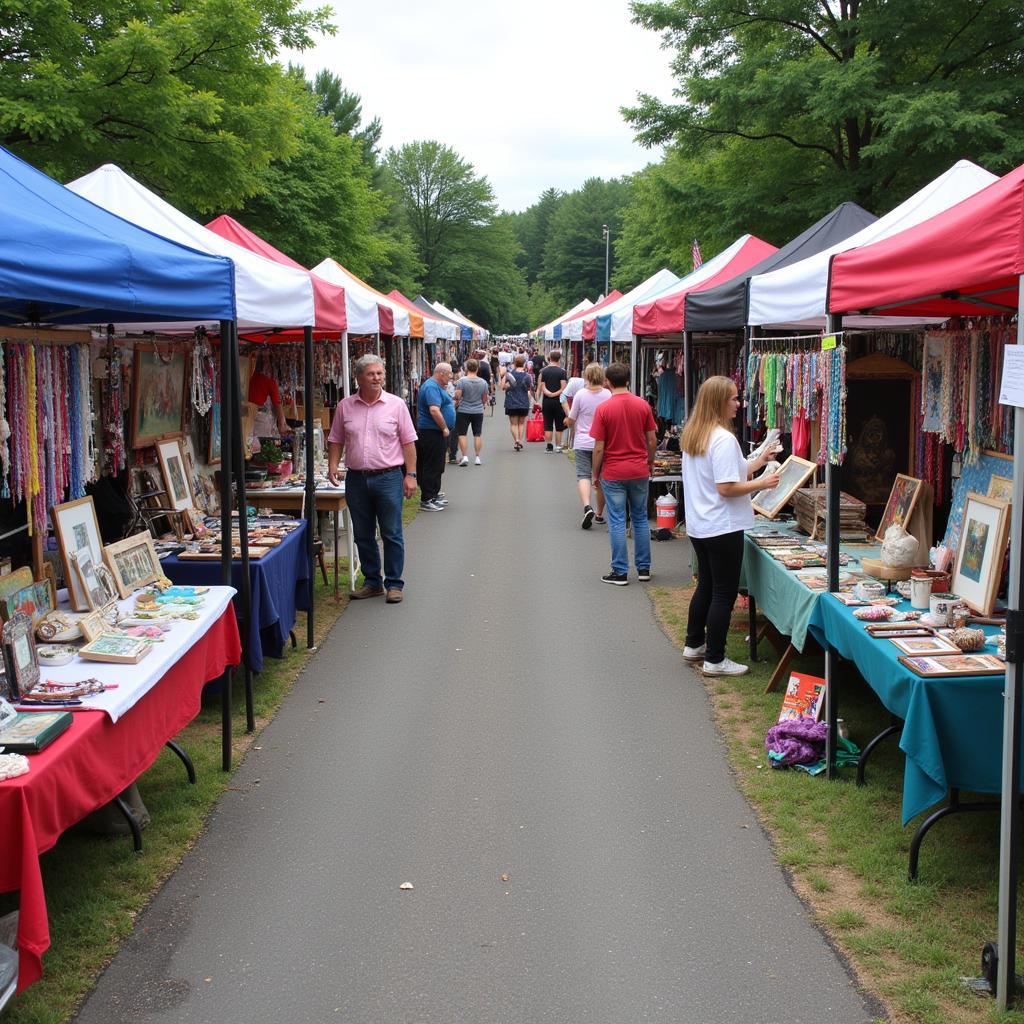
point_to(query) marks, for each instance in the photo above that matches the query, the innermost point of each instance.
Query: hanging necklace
(202, 373)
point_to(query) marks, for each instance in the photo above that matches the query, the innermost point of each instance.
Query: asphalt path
(522, 745)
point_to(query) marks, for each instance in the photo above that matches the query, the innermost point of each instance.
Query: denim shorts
(584, 463)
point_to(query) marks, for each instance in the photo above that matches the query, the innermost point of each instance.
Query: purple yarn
(796, 741)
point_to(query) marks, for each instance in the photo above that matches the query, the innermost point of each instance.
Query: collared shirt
(372, 433)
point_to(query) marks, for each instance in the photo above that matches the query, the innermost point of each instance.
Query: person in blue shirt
(435, 420)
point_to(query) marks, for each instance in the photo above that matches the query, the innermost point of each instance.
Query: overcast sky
(528, 92)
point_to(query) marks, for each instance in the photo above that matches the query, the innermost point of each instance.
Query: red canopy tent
(967, 260)
(667, 314)
(328, 299)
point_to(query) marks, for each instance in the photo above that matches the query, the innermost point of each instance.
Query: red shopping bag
(535, 426)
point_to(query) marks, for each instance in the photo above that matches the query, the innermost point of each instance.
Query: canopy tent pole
(346, 382)
(1009, 831)
(377, 348)
(748, 334)
(633, 367)
(243, 525)
(226, 421)
(833, 474)
(307, 391)
(687, 375)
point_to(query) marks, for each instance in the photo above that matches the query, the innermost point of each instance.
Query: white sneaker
(726, 667)
(477, 461)
(694, 653)
(465, 460)
(558, 447)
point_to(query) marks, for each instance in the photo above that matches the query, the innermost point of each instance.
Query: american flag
(695, 253)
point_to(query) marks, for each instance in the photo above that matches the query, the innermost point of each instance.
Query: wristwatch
(409, 473)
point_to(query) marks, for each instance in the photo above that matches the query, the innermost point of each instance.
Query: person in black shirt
(550, 386)
(537, 359)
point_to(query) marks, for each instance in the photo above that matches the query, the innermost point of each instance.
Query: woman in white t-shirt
(584, 405)
(717, 486)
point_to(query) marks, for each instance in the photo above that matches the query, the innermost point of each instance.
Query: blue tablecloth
(779, 593)
(953, 727)
(279, 584)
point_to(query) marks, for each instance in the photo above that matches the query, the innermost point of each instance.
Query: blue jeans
(617, 494)
(372, 501)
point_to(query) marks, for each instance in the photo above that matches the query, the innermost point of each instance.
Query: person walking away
(550, 386)
(435, 420)
(585, 404)
(453, 438)
(471, 393)
(624, 436)
(537, 361)
(516, 385)
(374, 431)
(717, 486)
(575, 384)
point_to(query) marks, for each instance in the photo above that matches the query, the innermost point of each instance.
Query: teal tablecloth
(953, 728)
(779, 594)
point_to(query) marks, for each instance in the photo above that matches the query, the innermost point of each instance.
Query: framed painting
(979, 555)
(158, 394)
(793, 474)
(922, 645)
(34, 601)
(902, 499)
(1000, 488)
(77, 531)
(937, 666)
(133, 563)
(172, 465)
(85, 568)
(213, 449)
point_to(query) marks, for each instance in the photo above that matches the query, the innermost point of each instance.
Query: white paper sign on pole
(1011, 388)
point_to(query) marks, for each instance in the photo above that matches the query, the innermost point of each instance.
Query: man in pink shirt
(374, 431)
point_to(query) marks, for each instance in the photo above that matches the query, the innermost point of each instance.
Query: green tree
(184, 96)
(574, 253)
(531, 228)
(806, 103)
(345, 110)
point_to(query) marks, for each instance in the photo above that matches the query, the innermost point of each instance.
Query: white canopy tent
(479, 333)
(267, 294)
(545, 333)
(362, 303)
(621, 310)
(795, 296)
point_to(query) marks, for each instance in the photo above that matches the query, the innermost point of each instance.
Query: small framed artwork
(20, 661)
(924, 645)
(213, 449)
(793, 474)
(76, 530)
(36, 600)
(172, 465)
(934, 666)
(158, 394)
(979, 554)
(1000, 488)
(112, 647)
(106, 579)
(95, 592)
(93, 625)
(133, 563)
(902, 499)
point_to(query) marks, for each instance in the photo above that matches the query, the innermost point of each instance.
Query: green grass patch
(847, 852)
(95, 886)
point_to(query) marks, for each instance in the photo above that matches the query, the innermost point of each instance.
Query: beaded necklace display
(5, 429)
(202, 373)
(113, 413)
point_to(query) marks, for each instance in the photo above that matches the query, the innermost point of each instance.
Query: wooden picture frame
(213, 446)
(175, 473)
(76, 528)
(93, 625)
(941, 665)
(20, 660)
(1001, 488)
(981, 551)
(924, 646)
(85, 568)
(158, 394)
(133, 563)
(793, 474)
(34, 600)
(900, 505)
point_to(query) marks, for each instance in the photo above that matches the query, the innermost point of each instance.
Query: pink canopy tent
(667, 313)
(328, 299)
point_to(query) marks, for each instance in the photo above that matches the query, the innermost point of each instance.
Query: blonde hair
(709, 411)
(594, 374)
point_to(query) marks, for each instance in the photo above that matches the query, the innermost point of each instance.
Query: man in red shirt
(625, 440)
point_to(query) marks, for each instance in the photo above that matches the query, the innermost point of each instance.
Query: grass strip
(846, 852)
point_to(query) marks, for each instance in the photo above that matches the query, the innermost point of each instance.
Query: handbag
(535, 426)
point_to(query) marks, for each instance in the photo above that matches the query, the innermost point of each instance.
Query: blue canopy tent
(64, 260)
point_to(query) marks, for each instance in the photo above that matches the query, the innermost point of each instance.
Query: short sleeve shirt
(708, 513)
(623, 422)
(431, 393)
(584, 405)
(552, 376)
(474, 394)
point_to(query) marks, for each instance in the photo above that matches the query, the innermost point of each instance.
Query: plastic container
(666, 507)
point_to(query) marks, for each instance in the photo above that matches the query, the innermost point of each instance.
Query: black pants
(719, 560)
(430, 452)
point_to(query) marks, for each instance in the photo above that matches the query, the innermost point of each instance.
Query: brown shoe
(366, 591)
(394, 596)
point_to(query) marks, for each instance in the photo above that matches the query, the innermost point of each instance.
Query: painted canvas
(158, 394)
(976, 477)
(981, 551)
(975, 543)
(1000, 487)
(213, 454)
(902, 499)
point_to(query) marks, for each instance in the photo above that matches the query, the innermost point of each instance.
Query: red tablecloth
(86, 767)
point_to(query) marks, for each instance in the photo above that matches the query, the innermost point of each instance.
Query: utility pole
(607, 239)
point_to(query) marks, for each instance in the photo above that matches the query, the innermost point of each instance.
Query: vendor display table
(279, 583)
(952, 732)
(781, 596)
(98, 757)
(328, 499)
